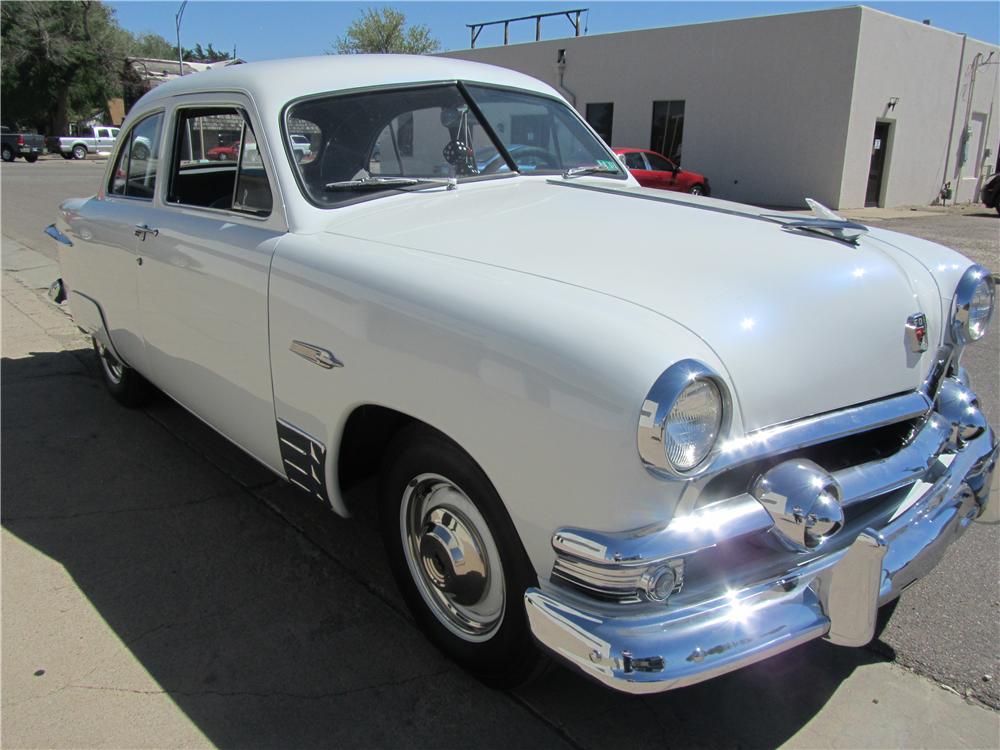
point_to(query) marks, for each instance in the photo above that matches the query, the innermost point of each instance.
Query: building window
(600, 116)
(668, 129)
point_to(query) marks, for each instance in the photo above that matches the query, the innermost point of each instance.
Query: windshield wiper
(589, 169)
(385, 183)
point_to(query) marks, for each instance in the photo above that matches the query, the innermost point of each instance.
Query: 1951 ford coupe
(656, 461)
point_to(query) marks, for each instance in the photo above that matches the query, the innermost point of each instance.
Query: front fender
(541, 382)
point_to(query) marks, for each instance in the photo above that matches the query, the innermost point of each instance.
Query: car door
(204, 276)
(663, 170)
(103, 139)
(103, 265)
(636, 164)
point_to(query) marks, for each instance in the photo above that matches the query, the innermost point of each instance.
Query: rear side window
(660, 164)
(634, 161)
(134, 174)
(217, 163)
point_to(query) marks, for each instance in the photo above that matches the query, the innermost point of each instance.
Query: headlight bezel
(960, 317)
(651, 438)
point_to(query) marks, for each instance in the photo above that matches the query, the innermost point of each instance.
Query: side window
(660, 164)
(216, 162)
(634, 161)
(134, 174)
(253, 193)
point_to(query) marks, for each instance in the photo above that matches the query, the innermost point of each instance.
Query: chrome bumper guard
(648, 649)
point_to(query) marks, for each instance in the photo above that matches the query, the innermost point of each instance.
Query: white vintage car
(658, 461)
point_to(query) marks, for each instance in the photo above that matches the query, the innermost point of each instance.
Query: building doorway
(876, 170)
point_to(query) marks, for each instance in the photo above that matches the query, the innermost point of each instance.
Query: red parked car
(657, 171)
(224, 153)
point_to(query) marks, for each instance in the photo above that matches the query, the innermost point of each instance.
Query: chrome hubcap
(114, 369)
(452, 557)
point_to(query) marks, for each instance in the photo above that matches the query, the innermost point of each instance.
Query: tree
(153, 46)
(207, 55)
(384, 31)
(58, 58)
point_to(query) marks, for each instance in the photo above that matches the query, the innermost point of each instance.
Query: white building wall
(780, 108)
(920, 65)
(767, 100)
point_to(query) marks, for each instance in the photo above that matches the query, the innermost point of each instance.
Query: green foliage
(153, 46)
(62, 61)
(384, 31)
(57, 57)
(208, 55)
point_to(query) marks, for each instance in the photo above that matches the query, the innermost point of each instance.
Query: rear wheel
(697, 190)
(125, 384)
(456, 557)
(79, 151)
(7, 153)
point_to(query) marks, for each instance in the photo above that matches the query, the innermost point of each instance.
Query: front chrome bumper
(836, 595)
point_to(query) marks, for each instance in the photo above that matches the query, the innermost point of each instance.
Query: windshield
(356, 145)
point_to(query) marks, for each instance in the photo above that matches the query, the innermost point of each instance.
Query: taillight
(20, 140)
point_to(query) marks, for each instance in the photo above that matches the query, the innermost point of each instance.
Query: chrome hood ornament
(823, 221)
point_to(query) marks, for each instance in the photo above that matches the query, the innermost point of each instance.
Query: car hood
(802, 324)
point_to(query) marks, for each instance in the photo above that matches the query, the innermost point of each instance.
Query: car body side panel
(101, 264)
(203, 308)
(545, 396)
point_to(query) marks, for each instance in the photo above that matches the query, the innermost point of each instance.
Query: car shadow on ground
(270, 622)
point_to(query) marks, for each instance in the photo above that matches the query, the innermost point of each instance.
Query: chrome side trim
(304, 459)
(315, 354)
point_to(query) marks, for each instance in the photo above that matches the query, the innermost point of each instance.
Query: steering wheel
(547, 159)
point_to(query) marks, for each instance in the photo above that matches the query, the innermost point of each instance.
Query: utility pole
(180, 53)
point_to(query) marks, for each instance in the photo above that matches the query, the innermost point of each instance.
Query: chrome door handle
(141, 230)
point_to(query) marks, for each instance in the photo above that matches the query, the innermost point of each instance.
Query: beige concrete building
(849, 106)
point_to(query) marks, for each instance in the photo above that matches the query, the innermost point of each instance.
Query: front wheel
(7, 153)
(456, 557)
(126, 385)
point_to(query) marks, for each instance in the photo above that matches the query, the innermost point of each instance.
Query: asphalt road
(946, 627)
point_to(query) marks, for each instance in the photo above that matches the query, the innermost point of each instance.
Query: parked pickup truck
(28, 145)
(97, 140)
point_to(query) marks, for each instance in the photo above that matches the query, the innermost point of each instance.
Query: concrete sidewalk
(160, 590)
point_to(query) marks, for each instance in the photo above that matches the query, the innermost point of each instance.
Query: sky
(263, 29)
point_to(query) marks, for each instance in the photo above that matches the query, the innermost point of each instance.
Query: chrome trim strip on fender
(315, 354)
(304, 459)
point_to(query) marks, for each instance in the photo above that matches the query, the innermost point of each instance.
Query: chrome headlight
(682, 417)
(972, 308)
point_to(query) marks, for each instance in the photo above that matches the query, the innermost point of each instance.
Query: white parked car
(656, 461)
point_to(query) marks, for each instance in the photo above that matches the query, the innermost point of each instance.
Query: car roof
(621, 150)
(273, 83)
